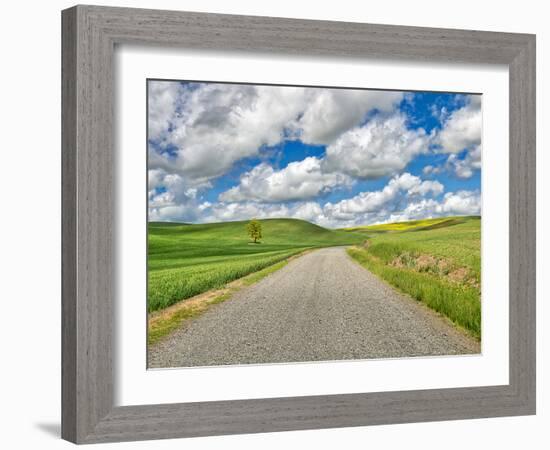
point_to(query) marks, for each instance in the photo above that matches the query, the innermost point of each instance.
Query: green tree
(254, 230)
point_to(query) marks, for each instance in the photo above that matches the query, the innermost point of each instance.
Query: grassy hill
(412, 225)
(436, 261)
(185, 260)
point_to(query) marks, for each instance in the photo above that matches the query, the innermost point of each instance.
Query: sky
(335, 157)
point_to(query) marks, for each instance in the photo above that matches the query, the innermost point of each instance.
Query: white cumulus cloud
(399, 190)
(202, 130)
(163, 99)
(198, 132)
(462, 129)
(248, 210)
(462, 132)
(299, 180)
(215, 125)
(406, 197)
(461, 203)
(383, 146)
(171, 198)
(331, 112)
(465, 167)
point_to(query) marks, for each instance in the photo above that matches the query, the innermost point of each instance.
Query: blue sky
(336, 157)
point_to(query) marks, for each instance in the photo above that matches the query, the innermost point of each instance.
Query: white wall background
(30, 223)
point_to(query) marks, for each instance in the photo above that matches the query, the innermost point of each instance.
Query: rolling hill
(412, 225)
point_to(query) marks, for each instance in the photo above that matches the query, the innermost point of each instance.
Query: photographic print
(296, 224)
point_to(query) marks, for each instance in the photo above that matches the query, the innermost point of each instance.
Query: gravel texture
(322, 306)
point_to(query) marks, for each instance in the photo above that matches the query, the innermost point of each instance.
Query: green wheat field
(435, 261)
(186, 260)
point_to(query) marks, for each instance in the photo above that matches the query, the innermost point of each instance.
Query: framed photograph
(335, 219)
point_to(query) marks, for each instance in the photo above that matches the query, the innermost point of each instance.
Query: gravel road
(321, 306)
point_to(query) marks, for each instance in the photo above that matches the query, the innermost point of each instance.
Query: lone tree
(254, 230)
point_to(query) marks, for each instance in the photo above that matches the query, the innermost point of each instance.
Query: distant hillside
(276, 233)
(413, 225)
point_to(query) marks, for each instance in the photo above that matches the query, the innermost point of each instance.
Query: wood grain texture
(68, 226)
(522, 282)
(87, 209)
(89, 36)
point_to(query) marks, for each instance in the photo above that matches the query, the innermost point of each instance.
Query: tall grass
(459, 303)
(459, 242)
(436, 261)
(170, 285)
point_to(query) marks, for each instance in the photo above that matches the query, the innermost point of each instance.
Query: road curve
(322, 306)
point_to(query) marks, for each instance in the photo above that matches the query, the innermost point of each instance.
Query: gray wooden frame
(89, 36)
